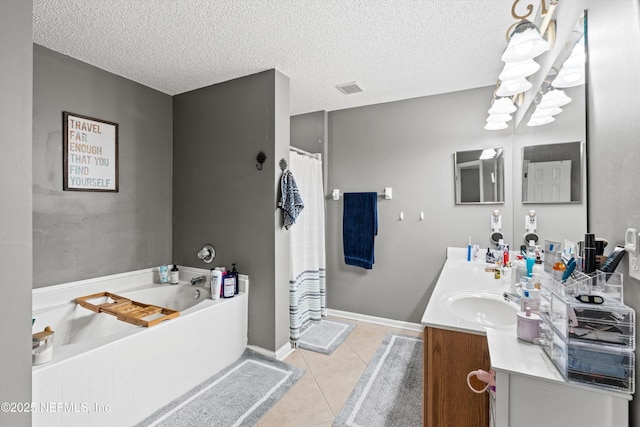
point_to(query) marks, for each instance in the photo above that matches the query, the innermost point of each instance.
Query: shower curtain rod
(304, 153)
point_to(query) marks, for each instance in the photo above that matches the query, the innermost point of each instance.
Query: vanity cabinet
(448, 357)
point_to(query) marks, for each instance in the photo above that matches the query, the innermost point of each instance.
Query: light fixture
(496, 118)
(539, 121)
(572, 72)
(544, 112)
(488, 153)
(554, 98)
(524, 43)
(518, 70)
(513, 87)
(502, 106)
(496, 125)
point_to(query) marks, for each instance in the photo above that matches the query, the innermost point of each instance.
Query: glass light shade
(518, 70)
(545, 112)
(496, 126)
(525, 43)
(513, 87)
(569, 78)
(539, 121)
(502, 106)
(488, 153)
(496, 118)
(554, 98)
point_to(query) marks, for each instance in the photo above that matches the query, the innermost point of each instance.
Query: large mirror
(542, 146)
(479, 176)
(552, 173)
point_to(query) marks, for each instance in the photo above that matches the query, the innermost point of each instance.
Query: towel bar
(388, 193)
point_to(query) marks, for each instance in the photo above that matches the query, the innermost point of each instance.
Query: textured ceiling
(395, 49)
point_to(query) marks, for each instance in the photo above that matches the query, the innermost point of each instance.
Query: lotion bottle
(216, 282)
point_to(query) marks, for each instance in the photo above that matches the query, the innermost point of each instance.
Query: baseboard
(377, 320)
(279, 354)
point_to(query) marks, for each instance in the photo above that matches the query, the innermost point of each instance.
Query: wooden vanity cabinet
(447, 400)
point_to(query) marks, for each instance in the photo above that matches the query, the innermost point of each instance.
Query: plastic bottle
(558, 267)
(164, 274)
(175, 275)
(530, 298)
(216, 283)
(228, 285)
(235, 273)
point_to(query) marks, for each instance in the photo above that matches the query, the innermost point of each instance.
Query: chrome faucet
(198, 280)
(508, 296)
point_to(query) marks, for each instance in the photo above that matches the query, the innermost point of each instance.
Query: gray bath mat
(389, 392)
(237, 396)
(324, 336)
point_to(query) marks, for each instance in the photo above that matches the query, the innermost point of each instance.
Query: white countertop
(458, 274)
(508, 353)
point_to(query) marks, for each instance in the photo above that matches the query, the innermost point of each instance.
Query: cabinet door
(449, 356)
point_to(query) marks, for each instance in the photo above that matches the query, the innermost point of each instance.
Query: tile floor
(317, 398)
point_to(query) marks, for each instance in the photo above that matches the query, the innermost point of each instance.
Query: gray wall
(310, 132)
(614, 126)
(407, 145)
(221, 198)
(16, 60)
(79, 235)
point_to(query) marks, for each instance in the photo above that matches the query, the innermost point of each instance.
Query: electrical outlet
(631, 239)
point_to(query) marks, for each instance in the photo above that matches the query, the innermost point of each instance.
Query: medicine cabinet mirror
(552, 173)
(479, 176)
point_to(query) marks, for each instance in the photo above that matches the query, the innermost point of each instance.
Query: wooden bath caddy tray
(126, 310)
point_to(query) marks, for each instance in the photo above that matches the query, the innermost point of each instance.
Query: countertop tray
(126, 310)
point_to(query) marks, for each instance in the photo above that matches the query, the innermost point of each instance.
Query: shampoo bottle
(175, 275)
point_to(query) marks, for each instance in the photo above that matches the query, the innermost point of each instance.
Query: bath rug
(237, 396)
(324, 336)
(389, 392)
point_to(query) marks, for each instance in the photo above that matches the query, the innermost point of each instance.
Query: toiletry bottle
(530, 297)
(538, 268)
(216, 283)
(228, 285)
(235, 273)
(164, 274)
(175, 273)
(558, 267)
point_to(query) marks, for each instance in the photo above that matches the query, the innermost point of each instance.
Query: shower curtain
(307, 299)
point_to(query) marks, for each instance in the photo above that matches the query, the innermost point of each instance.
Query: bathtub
(108, 372)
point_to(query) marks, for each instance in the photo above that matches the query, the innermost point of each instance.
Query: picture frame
(90, 154)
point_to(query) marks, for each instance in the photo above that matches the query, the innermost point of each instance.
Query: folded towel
(359, 227)
(291, 201)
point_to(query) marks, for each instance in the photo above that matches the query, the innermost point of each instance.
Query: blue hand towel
(291, 201)
(359, 227)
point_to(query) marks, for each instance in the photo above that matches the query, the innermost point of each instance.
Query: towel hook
(283, 164)
(260, 158)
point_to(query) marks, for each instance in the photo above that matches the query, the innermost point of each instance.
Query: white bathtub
(108, 372)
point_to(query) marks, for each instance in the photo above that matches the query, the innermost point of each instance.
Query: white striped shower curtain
(307, 298)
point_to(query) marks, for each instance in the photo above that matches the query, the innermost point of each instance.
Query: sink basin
(486, 309)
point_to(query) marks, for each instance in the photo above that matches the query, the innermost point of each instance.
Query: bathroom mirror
(552, 173)
(568, 131)
(479, 176)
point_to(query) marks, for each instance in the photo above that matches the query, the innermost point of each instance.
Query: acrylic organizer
(610, 323)
(591, 364)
